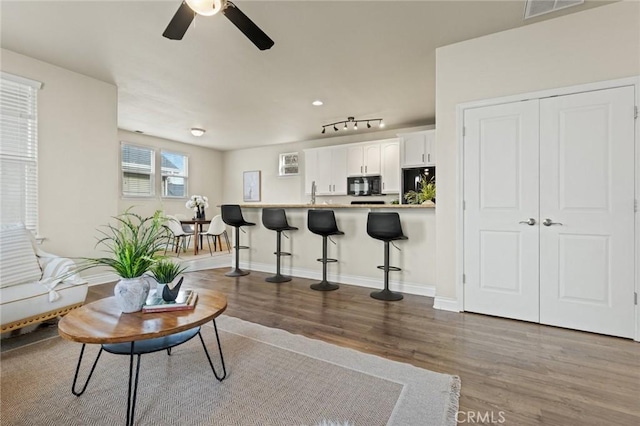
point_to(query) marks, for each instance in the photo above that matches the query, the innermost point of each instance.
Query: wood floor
(512, 372)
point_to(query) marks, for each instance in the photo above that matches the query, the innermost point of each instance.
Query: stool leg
(278, 277)
(237, 272)
(324, 285)
(386, 294)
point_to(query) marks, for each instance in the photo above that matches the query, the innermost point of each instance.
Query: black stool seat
(323, 222)
(232, 216)
(275, 219)
(386, 226)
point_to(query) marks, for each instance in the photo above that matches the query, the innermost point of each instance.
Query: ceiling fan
(189, 8)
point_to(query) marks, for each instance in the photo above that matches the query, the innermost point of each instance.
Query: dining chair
(217, 229)
(185, 228)
(178, 233)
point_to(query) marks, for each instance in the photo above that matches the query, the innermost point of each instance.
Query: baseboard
(373, 283)
(446, 304)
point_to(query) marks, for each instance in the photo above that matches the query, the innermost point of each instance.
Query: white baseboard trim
(373, 283)
(446, 304)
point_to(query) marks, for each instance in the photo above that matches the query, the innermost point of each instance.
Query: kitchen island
(358, 254)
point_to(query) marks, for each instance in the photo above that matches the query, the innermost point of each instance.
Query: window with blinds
(174, 171)
(138, 166)
(19, 150)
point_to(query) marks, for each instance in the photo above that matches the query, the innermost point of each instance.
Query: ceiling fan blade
(179, 23)
(248, 28)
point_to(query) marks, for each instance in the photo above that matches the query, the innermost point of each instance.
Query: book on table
(185, 301)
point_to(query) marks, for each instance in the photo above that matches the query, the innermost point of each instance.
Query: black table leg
(75, 377)
(224, 369)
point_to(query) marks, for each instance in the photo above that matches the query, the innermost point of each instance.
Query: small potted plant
(426, 194)
(165, 272)
(132, 246)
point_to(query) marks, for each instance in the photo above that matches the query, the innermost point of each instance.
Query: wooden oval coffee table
(102, 322)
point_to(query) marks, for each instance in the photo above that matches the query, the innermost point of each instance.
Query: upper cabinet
(328, 168)
(390, 166)
(418, 149)
(363, 160)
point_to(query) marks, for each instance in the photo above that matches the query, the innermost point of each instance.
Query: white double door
(549, 211)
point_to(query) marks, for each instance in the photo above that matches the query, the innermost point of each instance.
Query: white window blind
(174, 170)
(19, 150)
(138, 167)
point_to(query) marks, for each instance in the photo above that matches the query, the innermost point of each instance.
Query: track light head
(368, 125)
(324, 129)
(335, 128)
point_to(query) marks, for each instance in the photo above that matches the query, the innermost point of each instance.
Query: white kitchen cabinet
(418, 149)
(328, 168)
(363, 159)
(390, 166)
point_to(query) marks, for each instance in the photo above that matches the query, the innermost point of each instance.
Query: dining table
(197, 231)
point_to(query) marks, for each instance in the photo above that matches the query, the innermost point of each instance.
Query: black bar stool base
(324, 286)
(277, 279)
(236, 273)
(387, 295)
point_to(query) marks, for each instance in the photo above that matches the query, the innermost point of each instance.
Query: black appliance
(364, 185)
(411, 179)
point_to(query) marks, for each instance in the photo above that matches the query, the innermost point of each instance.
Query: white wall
(594, 45)
(205, 177)
(77, 159)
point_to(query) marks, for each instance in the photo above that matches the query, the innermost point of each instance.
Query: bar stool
(276, 220)
(323, 222)
(232, 216)
(385, 227)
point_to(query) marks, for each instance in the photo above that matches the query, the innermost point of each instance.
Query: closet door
(587, 201)
(501, 210)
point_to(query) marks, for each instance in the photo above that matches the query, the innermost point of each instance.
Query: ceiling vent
(535, 8)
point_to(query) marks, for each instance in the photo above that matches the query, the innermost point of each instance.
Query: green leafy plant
(133, 244)
(427, 192)
(165, 271)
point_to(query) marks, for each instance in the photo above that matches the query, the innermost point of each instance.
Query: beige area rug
(273, 378)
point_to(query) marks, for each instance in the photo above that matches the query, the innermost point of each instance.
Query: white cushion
(18, 261)
(24, 301)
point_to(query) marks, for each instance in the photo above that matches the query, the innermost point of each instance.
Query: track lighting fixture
(354, 122)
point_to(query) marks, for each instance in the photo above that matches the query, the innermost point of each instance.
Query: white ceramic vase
(131, 293)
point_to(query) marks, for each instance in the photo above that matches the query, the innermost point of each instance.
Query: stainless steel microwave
(364, 185)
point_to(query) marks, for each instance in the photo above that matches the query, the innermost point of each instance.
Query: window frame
(152, 174)
(185, 176)
(20, 121)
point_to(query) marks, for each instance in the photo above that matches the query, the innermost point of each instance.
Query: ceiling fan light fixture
(206, 7)
(197, 132)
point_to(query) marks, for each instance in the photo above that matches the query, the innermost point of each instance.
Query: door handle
(423, 158)
(549, 222)
(529, 222)
(365, 169)
(360, 169)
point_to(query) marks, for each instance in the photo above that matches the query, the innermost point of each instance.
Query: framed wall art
(251, 185)
(288, 164)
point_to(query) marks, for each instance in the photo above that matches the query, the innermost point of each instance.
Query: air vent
(535, 8)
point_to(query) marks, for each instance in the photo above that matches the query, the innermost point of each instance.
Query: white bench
(31, 288)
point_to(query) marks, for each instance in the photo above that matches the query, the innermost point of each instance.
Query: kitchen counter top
(340, 206)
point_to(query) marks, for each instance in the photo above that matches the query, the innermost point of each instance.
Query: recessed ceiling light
(197, 132)
(317, 102)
